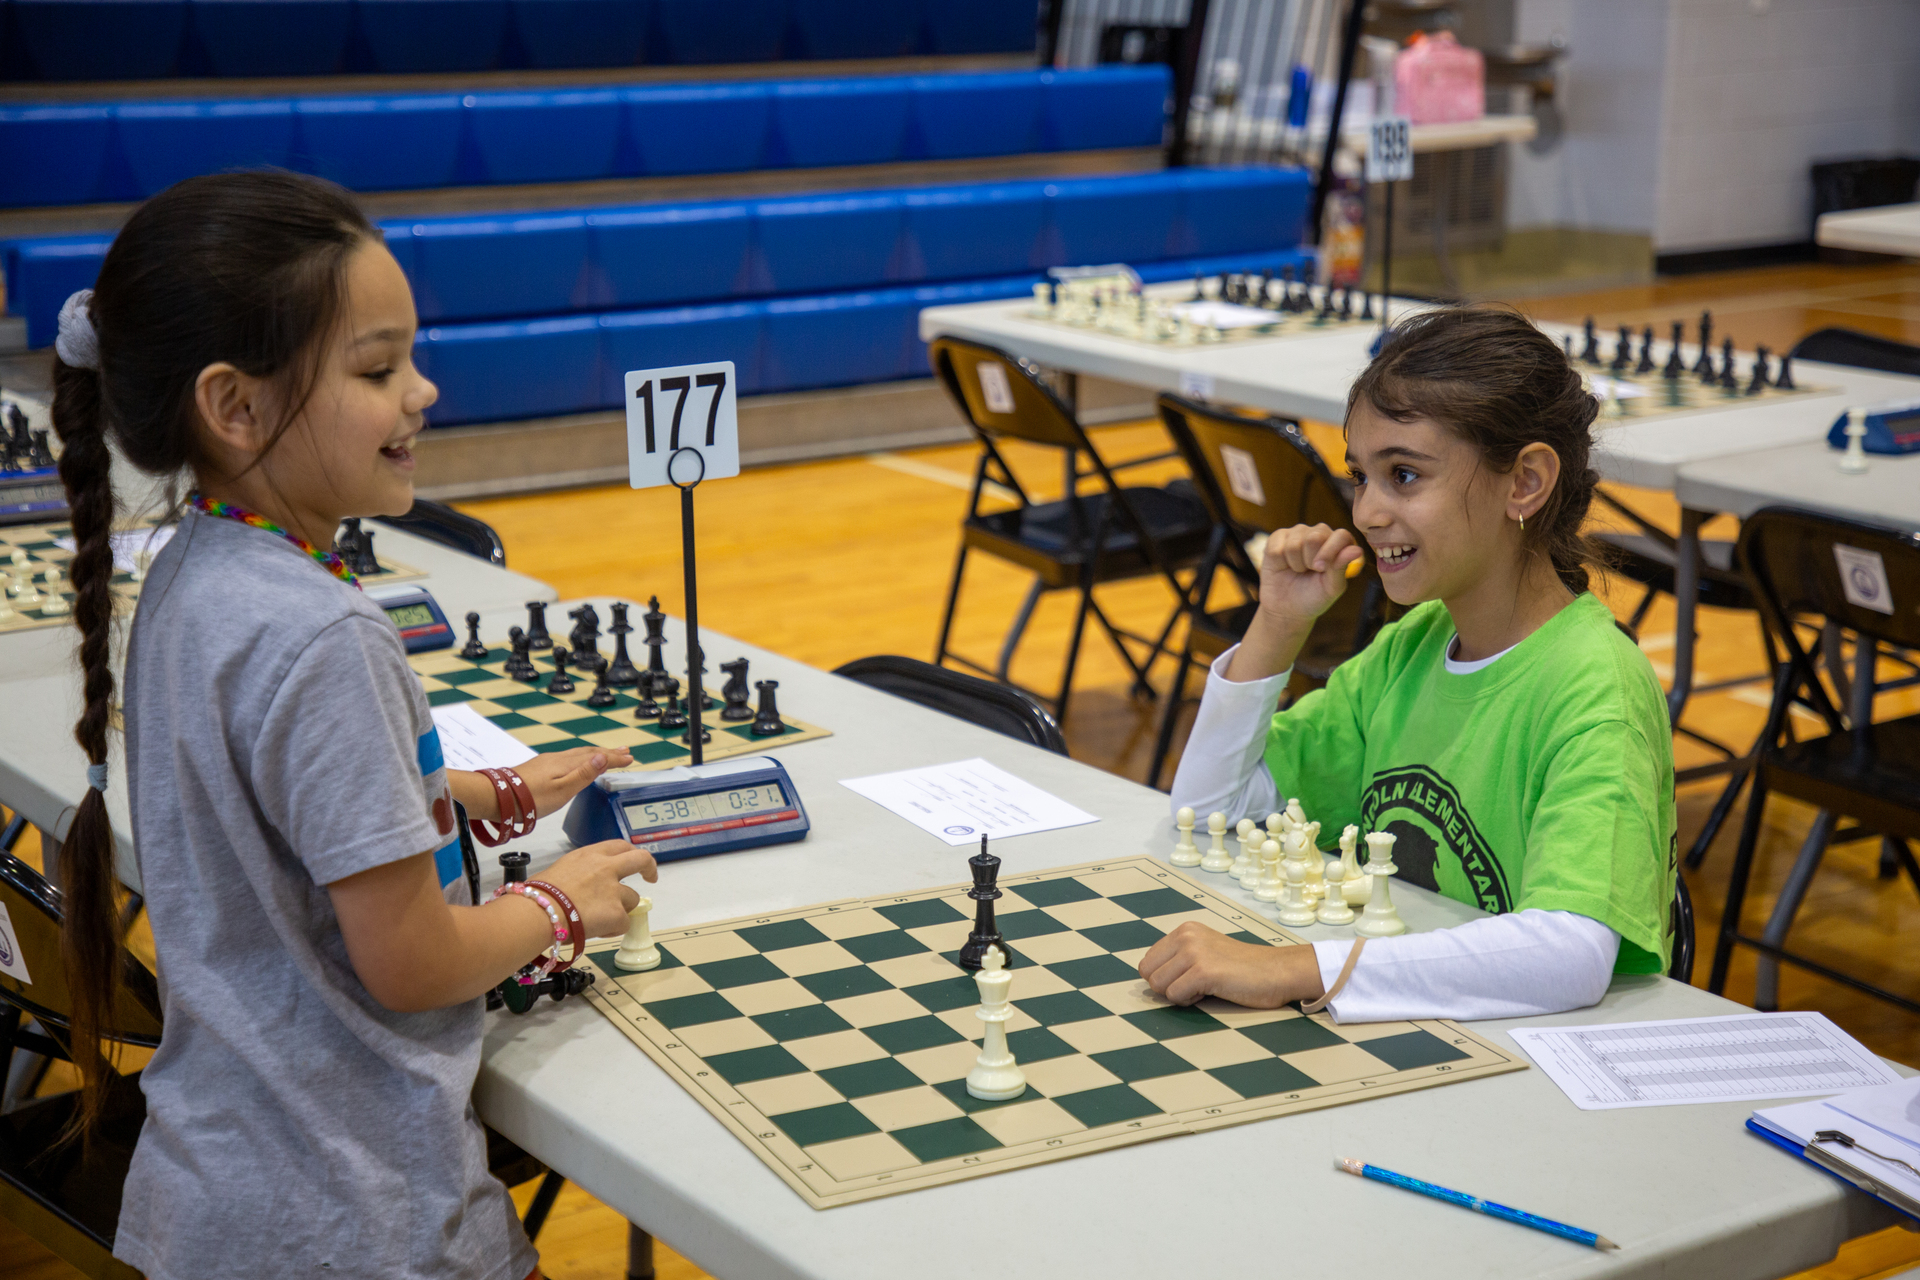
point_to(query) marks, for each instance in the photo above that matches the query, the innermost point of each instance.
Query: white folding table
(1889, 229)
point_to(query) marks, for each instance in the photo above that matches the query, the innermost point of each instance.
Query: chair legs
(543, 1197)
(1737, 884)
(1073, 647)
(1163, 741)
(1697, 852)
(1018, 629)
(953, 600)
(1766, 991)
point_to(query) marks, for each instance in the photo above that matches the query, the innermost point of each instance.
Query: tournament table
(1685, 1190)
(1805, 475)
(1890, 229)
(1308, 377)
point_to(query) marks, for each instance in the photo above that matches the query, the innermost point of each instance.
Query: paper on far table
(1732, 1059)
(129, 543)
(963, 801)
(471, 741)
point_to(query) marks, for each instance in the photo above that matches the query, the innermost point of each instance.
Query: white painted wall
(1695, 121)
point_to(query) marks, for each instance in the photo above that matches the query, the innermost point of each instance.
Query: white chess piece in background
(1380, 920)
(1354, 885)
(1217, 858)
(56, 593)
(1294, 907)
(1267, 887)
(637, 953)
(1333, 907)
(1240, 860)
(1854, 460)
(1186, 853)
(995, 1077)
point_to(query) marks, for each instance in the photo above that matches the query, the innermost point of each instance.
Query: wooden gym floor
(834, 560)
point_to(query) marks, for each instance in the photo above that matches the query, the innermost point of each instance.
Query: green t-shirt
(1544, 780)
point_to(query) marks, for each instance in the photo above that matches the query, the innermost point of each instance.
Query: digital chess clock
(415, 614)
(689, 812)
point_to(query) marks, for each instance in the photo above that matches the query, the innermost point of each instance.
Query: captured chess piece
(1675, 366)
(361, 558)
(1380, 920)
(473, 650)
(637, 954)
(735, 691)
(766, 721)
(56, 593)
(1854, 460)
(986, 890)
(602, 695)
(1185, 852)
(622, 674)
(1758, 383)
(1217, 858)
(561, 681)
(584, 639)
(537, 637)
(995, 1077)
(1645, 364)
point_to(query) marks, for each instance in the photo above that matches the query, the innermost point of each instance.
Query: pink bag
(1436, 80)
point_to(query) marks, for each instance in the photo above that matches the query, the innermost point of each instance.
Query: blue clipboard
(1799, 1153)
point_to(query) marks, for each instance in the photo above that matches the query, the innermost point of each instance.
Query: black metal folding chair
(987, 703)
(1256, 475)
(1863, 578)
(438, 522)
(1083, 540)
(1858, 350)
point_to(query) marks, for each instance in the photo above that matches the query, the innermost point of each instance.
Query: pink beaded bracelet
(549, 961)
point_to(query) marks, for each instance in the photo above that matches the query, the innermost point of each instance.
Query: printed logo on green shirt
(1425, 814)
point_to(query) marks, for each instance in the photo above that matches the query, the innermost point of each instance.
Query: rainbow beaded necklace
(328, 560)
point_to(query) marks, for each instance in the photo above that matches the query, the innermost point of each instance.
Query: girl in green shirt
(1505, 730)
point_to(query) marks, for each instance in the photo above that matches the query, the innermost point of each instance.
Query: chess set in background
(1634, 385)
(37, 591)
(614, 704)
(871, 1046)
(30, 487)
(1227, 308)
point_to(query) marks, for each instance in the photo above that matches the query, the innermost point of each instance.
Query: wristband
(515, 801)
(1339, 983)
(548, 961)
(577, 927)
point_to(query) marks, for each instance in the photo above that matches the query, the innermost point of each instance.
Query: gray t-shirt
(276, 742)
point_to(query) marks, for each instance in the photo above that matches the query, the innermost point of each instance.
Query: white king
(995, 1077)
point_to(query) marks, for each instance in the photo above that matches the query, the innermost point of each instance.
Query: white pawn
(1256, 871)
(56, 596)
(24, 591)
(1266, 887)
(6, 598)
(1333, 908)
(1294, 907)
(1354, 885)
(1380, 920)
(1186, 853)
(1217, 859)
(1240, 860)
(995, 1077)
(637, 953)
(1854, 460)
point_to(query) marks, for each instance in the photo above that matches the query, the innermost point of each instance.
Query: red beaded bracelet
(517, 816)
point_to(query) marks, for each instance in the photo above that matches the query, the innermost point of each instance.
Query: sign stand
(696, 695)
(1389, 161)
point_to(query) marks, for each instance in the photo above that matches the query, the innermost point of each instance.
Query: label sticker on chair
(1863, 576)
(994, 387)
(1242, 476)
(12, 963)
(1196, 386)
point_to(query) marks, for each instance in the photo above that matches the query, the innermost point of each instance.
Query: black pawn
(1758, 383)
(561, 681)
(1727, 380)
(647, 709)
(735, 691)
(986, 871)
(1567, 342)
(1266, 289)
(1366, 306)
(1623, 350)
(675, 716)
(1590, 348)
(767, 722)
(537, 637)
(623, 674)
(1326, 304)
(473, 650)
(1675, 365)
(1783, 380)
(602, 695)
(1704, 365)
(1645, 366)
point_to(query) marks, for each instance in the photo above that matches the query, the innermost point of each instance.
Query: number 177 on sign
(686, 412)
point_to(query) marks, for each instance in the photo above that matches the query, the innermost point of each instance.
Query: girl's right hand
(591, 876)
(1304, 571)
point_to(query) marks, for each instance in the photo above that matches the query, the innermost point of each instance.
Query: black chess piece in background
(623, 674)
(1783, 380)
(1622, 350)
(735, 691)
(602, 695)
(1199, 288)
(1727, 379)
(520, 664)
(1675, 365)
(1758, 382)
(986, 872)
(561, 681)
(1366, 305)
(537, 637)
(42, 455)
(1704, 365)
(1645, 366)
(675, 716)
(767, 722)
(654, 679)
(1590, 347)
(584, 639)
(473, 650)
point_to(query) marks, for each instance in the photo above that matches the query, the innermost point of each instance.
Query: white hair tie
(96, 773)
(78, 346)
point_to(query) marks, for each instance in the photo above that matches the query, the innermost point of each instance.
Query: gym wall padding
(543, 368)
(88, 152)
(158, 39)
(482, 267)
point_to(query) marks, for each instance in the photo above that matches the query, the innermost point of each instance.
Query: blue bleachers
(151, 39)
(476, 268)
(525, 369)
(88, 152)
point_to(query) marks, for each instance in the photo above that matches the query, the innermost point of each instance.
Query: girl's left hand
(556, 777)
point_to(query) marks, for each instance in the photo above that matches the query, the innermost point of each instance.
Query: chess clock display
(689, 812)
(415, 614)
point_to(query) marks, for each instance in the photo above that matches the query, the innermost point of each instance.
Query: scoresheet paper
(963, 801)
(1740, 1058)
(470, 741)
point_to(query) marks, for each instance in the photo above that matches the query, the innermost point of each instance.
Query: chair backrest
(1000, 395)
(1680, 964)
(438, 522)
(31, 944)
(1859, 350)
(1258, 474)
(999, 707)
(1862, 577)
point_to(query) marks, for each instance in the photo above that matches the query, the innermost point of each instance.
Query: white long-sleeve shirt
(1507, 966)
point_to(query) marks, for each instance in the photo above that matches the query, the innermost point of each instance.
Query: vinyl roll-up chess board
(835, 1040)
